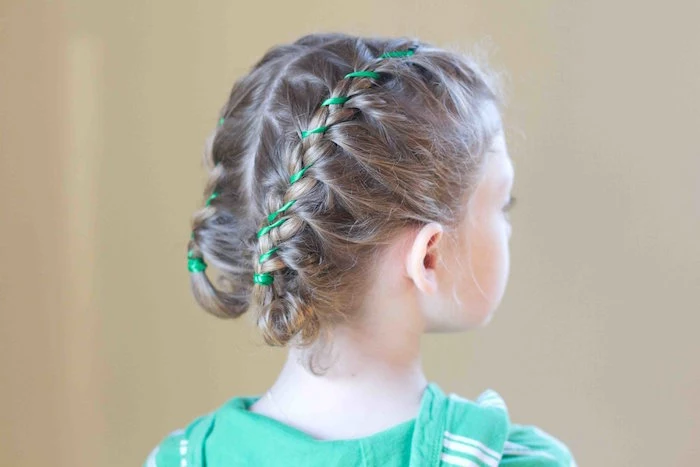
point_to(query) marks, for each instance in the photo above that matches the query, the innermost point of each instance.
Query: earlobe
(423, 258)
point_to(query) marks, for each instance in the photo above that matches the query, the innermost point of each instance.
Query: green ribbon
(195, 264)
(398, 53)
(263, 279)
(296, 176)
(272, 215)
(335, 100)
(363, 74)
(212, 197)
(267, 228)
(320, 129)
(267, 254)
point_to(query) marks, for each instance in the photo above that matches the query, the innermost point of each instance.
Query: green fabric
(449, 430)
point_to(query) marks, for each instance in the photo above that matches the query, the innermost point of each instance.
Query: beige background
(104, 108)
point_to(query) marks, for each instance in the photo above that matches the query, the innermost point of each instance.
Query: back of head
(326, 150)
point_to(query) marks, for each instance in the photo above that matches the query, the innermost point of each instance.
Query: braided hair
(324, 152)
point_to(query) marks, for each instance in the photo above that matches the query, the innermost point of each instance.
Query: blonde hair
(403, 150)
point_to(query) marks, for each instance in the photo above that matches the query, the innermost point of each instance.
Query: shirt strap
(475, 431)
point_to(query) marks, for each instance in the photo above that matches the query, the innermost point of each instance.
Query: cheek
(490, 261)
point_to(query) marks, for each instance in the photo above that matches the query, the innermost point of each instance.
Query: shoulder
(181, 446)
(485, 423)
(530, 446)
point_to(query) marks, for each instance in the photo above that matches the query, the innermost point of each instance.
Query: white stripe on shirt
(473, 442)
(472, 451)
(456, 460)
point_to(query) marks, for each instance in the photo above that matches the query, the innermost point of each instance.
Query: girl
(357, 198)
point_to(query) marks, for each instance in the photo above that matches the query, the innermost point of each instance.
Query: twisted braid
(285, 222)
(331, 112)
(210, 237)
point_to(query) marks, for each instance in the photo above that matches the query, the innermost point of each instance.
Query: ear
(422, 258)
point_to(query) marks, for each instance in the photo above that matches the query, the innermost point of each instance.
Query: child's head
(340, 169)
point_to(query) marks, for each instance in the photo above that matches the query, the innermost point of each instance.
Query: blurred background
(104, 109)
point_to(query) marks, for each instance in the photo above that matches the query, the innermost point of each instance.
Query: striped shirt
(448, 431)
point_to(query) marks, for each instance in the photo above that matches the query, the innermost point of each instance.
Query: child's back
(448, 431)
(357, 199)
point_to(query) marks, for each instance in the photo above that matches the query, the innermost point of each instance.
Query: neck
(373, 368)
(373, 375)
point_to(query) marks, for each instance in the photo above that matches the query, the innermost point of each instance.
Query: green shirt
(449, 430)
